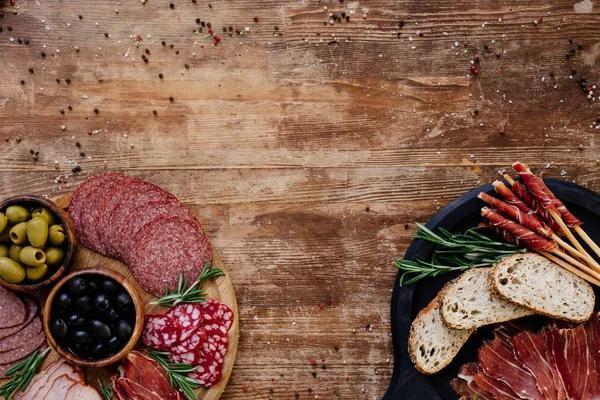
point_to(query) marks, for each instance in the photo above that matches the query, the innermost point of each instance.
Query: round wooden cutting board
(219, 288)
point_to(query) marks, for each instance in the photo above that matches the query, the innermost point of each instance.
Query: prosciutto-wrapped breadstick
(522, 193)
(529, 238)
(509, 237)
(529, 221)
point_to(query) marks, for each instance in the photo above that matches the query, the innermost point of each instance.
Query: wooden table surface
(306, 147)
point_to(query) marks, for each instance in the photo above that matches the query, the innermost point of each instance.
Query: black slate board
(463, 213)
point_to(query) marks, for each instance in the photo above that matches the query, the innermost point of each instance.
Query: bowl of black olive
(93, 317)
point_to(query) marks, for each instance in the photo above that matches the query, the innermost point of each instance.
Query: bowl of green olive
(37, 243)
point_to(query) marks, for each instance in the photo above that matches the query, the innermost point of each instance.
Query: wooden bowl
(72, 242)
(137, 329)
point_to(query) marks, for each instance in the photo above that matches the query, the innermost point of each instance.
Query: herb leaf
(191, 294)
(177, 374)
(107, 390)
(454, 252)
(22, 374)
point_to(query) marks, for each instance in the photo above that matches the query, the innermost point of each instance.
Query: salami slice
(118, 203)
(191, 358)
(164, 247)
(84, 207)
(18, 339)
(12, 309)
(191, 343)
(189, 316)
(209, 364)
(146, 213)
(218, 318)
(31, 310)
(160, 331)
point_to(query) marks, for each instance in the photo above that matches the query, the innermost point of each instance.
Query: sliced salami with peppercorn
(118, 203)
(164, 248)
(139, 216)
(160, 331)
(189, 317)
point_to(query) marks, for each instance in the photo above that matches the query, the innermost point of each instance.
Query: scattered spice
(187, 66)
(68, 80)
(160, 75)
(77, 144)
(147, 51)
(57, 80)
(70, 108)
(43, 54)
(22, 82)
(163, 43)
(62, 111)
(144, 58)
(255, 19)
(96, 110)
(172, 5)
(31, 70)
(76, 169)
(105, 34)
(154, 112)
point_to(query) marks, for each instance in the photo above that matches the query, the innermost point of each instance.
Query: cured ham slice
(497, 361)
(544, 195)
(522, 193)
(508, 237)
(529, 221)
(80, 391)
(572, 356)
(465, 384)
(529, 238)
(530, 350)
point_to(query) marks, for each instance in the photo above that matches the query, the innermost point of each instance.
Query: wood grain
(281, 140)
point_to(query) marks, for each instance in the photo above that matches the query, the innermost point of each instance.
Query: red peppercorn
(217, 39)
(313, 362)
(210, 32)
(237, 31)
(139, 38)
(421, 34)
(474, 70)
(244, 388)
(255, 19)
(12, 2)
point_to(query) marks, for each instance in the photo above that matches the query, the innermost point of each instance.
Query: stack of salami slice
(143, 225)
(21, 330)
(194, 334)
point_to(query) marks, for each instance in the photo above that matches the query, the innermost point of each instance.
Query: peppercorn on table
(307, 137)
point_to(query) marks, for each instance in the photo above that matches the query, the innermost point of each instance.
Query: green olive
(16, 214)
(3, 221)
(37, 231)
(45, 214)
(18, 233)
(14, 252)
(32, 257)
(3, 250)
(55, 256)
(37, 273)
(11, 271)
(5, 236)
(57, 235)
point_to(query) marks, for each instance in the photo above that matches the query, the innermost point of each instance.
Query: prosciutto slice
(529, 221)
(544, 195)
(529, 238)
(508, 237)
(497, 360)
(572, 355)
(530, 350)
(522, 193)
(473, 384)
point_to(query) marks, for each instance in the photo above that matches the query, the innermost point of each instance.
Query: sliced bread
(537, 283)
(469, 302)
(431, 344)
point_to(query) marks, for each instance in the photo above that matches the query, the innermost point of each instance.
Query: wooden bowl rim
(137, 330)
(72, 244)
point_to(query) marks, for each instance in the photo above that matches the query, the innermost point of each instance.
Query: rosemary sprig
(106, 390)
(191, 294)
(22, 374)
(177, 374)
(453, 252)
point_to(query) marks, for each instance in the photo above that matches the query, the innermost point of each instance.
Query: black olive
(101, 302)
(124, 330)
(58, 328)
(100, 350)
(114, 343)
(59, 313)
(112, 314)
(79, 350)
(124, 302)
(100, 329)
(77, 286)
(83, 304)
(63, 300)
(81, 337)
(109, 286)
(76, 320)
(92, 287)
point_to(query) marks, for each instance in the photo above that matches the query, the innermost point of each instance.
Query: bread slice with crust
(469, 302)
(431, 344)
(539, 284)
